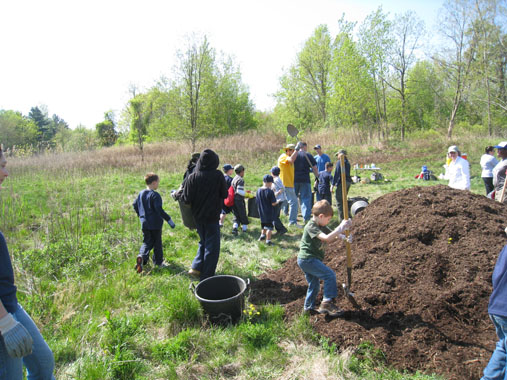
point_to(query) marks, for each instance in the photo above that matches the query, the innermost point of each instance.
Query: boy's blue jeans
(39, 364)
(315, 270)
(495, 370)
(208, 251)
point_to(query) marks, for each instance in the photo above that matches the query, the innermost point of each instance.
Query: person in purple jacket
(148, 207)
(497, 309)
(21, 343)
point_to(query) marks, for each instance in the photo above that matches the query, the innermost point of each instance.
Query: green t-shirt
(311, 246)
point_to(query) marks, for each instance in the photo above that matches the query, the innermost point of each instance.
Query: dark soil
(422, 264)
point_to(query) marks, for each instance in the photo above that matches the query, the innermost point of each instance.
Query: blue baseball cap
(267, 178)
(502, 145)
(227, 167)
(275, 170)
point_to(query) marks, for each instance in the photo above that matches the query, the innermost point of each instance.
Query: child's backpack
(229, 201)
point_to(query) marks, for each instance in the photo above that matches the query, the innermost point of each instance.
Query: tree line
(379, 78)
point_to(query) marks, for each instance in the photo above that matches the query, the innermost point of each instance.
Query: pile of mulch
(422, 264)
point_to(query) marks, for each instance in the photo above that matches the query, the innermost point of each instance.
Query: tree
(195, 73)
(106, 130)
(17, 130)
(457, 58)
(140, 114)
(375, 40)
(407, 31)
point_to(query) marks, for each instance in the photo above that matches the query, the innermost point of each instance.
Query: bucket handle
(191, 287)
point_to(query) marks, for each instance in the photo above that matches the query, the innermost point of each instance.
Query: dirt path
(423, 259)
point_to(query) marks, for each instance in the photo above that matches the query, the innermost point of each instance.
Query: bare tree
(457, 59)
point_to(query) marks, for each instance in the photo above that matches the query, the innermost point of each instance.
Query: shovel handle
(346, 216)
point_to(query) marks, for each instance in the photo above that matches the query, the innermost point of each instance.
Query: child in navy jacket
(148, 207)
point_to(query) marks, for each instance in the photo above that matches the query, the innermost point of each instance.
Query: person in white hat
(499, 169)
(458, 172)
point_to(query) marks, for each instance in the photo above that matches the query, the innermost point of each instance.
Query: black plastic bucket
(186, 215)
(222, 297)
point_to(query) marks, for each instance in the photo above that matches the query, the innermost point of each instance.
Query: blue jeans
(39, 364)
(208, 251)
(152, 239)
(495, 370)
(292, 201)
(304, 193)
(315, 270)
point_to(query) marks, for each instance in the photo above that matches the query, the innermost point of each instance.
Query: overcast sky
(79, 57)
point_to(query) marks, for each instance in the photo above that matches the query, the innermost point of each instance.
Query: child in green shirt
(311, 254)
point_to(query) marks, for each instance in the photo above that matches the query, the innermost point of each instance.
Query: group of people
(493, 169)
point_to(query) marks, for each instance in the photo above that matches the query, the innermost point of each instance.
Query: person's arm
(337, 233)
(293, 157)
(157, 206)
(136, 209)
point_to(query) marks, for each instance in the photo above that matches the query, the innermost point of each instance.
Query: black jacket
(205, 189)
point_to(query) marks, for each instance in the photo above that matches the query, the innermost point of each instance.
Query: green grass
(74, 236)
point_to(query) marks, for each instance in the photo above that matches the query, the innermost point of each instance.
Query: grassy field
(74, 236)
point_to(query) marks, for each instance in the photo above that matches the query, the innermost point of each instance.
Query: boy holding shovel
(311, 255)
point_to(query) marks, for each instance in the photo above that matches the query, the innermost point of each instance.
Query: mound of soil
(422, 264)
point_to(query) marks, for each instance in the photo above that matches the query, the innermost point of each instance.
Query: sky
(78, 58)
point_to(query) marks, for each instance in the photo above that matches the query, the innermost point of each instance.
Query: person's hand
(298, 146)
(17, 339)
(345, 238)
(171, 223)
(344, 225)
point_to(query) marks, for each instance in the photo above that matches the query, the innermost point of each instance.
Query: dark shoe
(162, 266)
(139, 264)
(269, 243)
(310, 311)
(235, 231)
(194, 272)
(262, 237)
(330, 309)
(282, 232)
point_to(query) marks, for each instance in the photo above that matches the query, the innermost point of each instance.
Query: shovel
(347, 287)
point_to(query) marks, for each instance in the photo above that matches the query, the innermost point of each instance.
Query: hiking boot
(194, 272)
(235, 231)
(139, 264)
(310, 311)
(262, 237)
(330, 309)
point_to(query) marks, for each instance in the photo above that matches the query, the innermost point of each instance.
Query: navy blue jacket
(498, 300)
(7, 287)
(265, 199)
(324, 186)
(148, 206)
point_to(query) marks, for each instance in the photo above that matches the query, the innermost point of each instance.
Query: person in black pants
(205, 190)
(148, 207)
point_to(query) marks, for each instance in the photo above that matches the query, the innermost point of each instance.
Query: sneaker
(194, 272)
(269, 242)
(330, 309)
(310, 311)
(162, 266)
(139, 264)
(235, 231)
(282, 232)
(262, 237)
